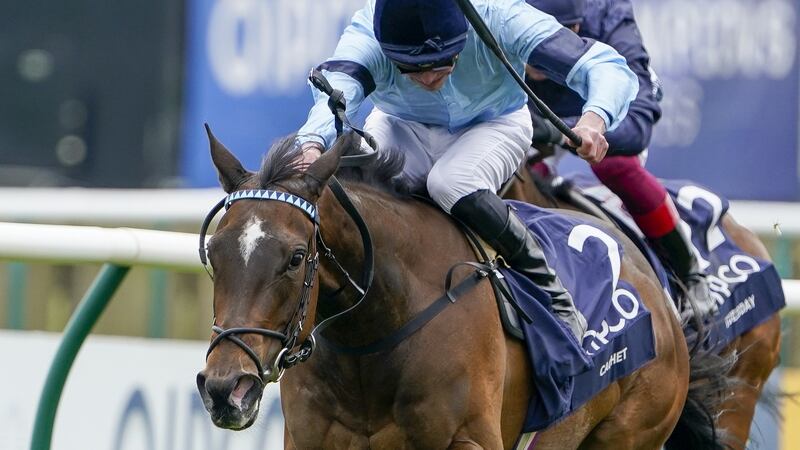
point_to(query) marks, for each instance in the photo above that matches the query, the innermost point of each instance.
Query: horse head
(264, 260)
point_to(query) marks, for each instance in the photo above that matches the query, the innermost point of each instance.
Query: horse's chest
(391, 436)
(374, 416)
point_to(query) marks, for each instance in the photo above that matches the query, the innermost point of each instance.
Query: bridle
(290, 335)
(285, 358)
(273, 372)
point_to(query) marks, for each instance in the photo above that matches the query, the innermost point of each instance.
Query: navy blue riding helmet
(420, 34)
(566, 12)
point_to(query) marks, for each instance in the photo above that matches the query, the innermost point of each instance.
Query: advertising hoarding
(247, 62)
(123, 393)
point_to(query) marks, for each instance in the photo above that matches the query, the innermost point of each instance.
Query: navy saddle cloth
(745, 291)
(619, 338)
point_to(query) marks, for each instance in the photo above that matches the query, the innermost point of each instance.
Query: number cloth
(619, 338)
(745, 290)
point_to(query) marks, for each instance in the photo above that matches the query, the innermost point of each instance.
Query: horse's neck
(414, 245)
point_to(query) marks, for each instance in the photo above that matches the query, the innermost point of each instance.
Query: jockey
(447, 102)
(612, 22)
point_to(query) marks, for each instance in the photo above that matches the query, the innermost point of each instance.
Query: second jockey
(612, 22)
(447, 102)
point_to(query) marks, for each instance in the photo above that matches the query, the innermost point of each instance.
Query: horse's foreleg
(287, 440)
(464, 444)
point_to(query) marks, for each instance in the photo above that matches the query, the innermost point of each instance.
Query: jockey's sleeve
(634, 132)
(594, 70)
(349, 70)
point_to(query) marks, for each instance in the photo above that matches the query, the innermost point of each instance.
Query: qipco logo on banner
(268, 46)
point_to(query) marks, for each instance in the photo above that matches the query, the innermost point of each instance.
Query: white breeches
(454, 165)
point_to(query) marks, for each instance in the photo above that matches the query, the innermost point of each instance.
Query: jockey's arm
(349, 70)
(633, 134)
(597, 72)
(634, 131)
(319, 131)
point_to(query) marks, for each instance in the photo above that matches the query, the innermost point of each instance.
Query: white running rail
(145, 207)
(82, 244)
(128, 246)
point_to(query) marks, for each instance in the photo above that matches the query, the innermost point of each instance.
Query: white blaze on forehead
(250, 236)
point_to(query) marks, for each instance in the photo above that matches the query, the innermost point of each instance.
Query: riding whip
(487, 38)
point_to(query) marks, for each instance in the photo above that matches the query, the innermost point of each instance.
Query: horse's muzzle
(232, 401)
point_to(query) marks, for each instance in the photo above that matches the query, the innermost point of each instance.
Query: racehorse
(756, 351)
(458, 382)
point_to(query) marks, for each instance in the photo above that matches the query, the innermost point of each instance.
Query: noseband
(273, 372)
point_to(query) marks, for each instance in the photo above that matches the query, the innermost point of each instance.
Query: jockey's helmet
(420, 35)
(566, 12)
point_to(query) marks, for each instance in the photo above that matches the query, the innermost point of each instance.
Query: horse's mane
(383, 172)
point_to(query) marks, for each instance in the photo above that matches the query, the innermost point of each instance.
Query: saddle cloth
(619, 338)
(745, 290)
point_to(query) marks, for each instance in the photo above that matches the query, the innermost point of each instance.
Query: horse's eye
(297, 258)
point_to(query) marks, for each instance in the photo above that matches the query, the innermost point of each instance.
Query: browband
(266, 194)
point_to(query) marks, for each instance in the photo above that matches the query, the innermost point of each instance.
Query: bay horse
(757, 351)
(459, 382)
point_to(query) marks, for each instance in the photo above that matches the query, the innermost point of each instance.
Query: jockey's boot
(676, 250)
(488, 216)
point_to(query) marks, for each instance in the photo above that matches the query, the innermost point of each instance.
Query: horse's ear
(230, 170)
(322, 169)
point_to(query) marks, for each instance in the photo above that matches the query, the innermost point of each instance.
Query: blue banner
(729, 69)
(247, 62)
(730, 75)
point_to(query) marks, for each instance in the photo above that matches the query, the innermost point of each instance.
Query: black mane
(280, 164)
